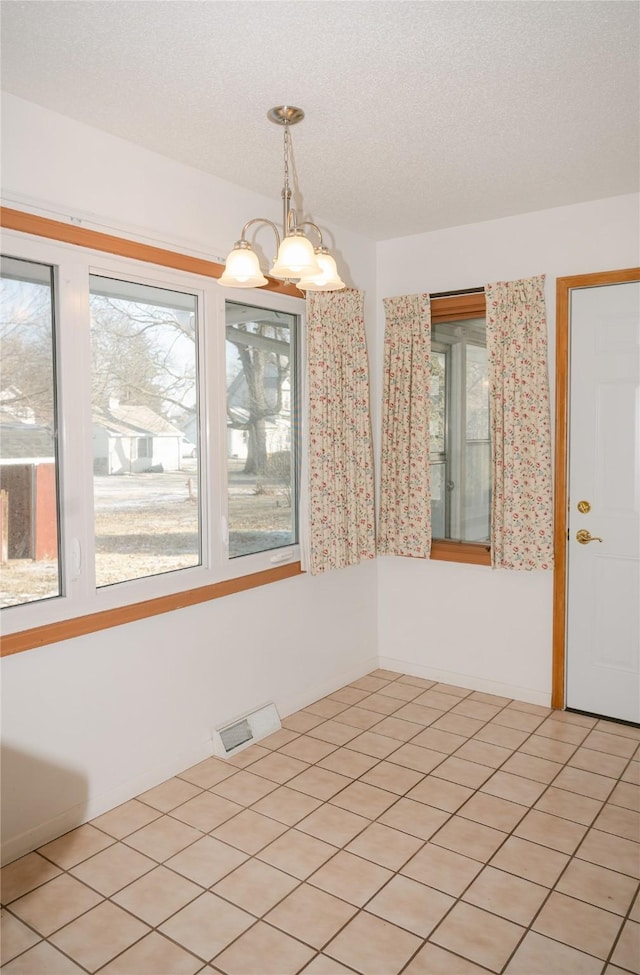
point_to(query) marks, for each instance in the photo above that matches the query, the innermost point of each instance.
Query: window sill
(474, 553)
(41, 636)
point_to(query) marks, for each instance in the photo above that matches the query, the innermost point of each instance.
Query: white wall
(91, 722)
(468, 624)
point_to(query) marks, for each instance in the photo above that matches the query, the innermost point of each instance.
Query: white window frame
(72, 266)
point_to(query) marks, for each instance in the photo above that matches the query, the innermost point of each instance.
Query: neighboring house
(134, 439)
(28, 523)
(277, 424)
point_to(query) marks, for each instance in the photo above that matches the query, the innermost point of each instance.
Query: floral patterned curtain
(405, 494)
(521, 509)
(340, 461)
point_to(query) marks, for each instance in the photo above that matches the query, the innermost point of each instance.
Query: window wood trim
(455, 308)
(67, 629)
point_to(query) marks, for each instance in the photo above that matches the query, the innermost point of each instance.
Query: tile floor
(397, 825)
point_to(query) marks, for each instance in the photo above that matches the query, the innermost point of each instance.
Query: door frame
(564, 286)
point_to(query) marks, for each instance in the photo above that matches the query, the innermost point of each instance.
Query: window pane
(28, 465)
(261, 443)
(145, 430)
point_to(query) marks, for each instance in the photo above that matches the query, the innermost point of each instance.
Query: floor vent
(242, 732)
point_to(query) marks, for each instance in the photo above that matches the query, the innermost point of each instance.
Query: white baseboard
(527, 694)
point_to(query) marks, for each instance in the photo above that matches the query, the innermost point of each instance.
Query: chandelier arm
(249, 223)
(309, 223)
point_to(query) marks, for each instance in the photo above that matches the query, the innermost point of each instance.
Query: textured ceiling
(419, 115)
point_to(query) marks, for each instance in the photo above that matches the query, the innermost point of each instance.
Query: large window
(459, 434)
(149, 440)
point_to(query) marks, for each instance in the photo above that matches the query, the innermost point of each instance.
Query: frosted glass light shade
(295, 257)
(242, 268)
(327, 280)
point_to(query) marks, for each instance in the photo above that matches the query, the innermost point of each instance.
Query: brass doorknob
(584, 537)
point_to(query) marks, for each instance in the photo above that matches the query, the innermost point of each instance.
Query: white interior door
(603, 615)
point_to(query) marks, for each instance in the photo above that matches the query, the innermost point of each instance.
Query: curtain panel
(404, 526)
(521, 507)
(341, 529)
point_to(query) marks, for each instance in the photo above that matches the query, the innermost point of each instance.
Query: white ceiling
(419, 115)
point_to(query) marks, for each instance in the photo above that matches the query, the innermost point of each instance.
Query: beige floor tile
(206, 861)
(549, 748)
(395, 727)
(297, 853)
(156, 896)
(483, 753)
(436, 699)
(264, 950)
(351, 878)
(492, 811)
(43, 959)
(611, 744)
(169, 794)
(501, 893)
(418, 713)
(569, 805)
(327, 707)
(632, 773)
(530, 767)
(497, 734)
(206, 811)
(627, 950)
(311, 915)
(620, 821)
(349, 763)
(440, 793)
(323, 965)
(25, 874)
(372, 946)
(244, 788)
(626, 794)
(443, 869)
(634, 913)
(112, 869)
(125, 819)
(439, 741)
(610, 851)
(402, 692)
(472, 708)
(464, 773)
(381, 704)
(531, 861)
(616, 728)
(349, 695)
(433, 960)
(385, 846)
(421, 682)
(469, 838)
(364, 800)
(255, 887)
(247, 756)
(78, 845)
(570, 717)
(154, 955)
(414, 818)
(55, 904)
(359, 717)
(584, 783)
(370, 743)
(207, 925)
(458, 724)
(368, 683)
(485, 698)
(278, 739)
(393, 778)
(484, 938)
(163, 838)
(278, 767)
(301, 722)
(538, 954)
(598, 886)
(599, 762)
(249, 831)
(515, 788)
(334, 732)
(530, 708)
(334, 825)
(414, 757)
(208, 773)
(97, 937)
(577, 924)
(552, 831)
(319, 782)
(454, 689)
(566, 731)
(522, 720)
(411, 905)
(286, 805)
(15, 937)
(306, 749)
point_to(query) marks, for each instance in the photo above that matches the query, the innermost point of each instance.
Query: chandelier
(311, 267)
